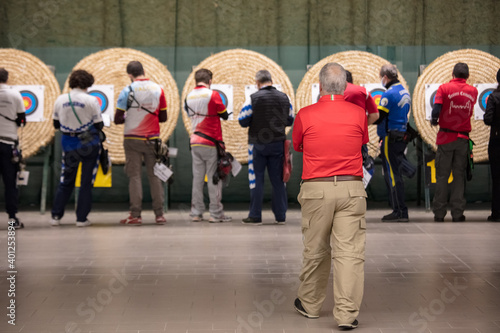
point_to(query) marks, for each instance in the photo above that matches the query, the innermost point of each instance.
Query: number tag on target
(484, 90)
(33, 99)
(105, 94)
(315, 93)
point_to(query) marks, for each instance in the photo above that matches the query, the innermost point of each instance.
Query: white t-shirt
(86, 107)
(11, 103)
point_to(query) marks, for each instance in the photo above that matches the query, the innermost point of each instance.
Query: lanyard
(73, 108)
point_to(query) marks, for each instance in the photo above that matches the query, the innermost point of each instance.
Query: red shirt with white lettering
(358, 95)
(330, 134)
(458, 99)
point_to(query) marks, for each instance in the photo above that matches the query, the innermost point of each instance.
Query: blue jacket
(396, 103)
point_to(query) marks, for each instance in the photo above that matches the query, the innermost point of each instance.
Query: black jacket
(492, 114)
(270, 116)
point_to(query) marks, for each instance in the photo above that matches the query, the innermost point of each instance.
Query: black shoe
(300, 309)
(17, 224)
(350, 326)
(459, 219)
(394, 217)
(438, 219)
(251, 220)
(493, 219)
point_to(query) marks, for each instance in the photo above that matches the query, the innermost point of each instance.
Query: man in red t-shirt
(359, 96)
(453, 108)
(205, 108)
(330, 134)
(141, 106)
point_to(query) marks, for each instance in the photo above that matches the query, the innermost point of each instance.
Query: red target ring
(30, 101)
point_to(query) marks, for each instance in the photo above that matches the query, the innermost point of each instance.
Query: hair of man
(332, 78)
(81, 79)
(348, 76)
(4, 75)
(389, 70)
(203, 75)
(135, 68)
(461, 71)
(263, 76)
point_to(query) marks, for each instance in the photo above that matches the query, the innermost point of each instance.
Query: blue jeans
(271, 156)
(70, 160)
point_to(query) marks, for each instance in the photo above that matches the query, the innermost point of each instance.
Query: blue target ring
(101, 97)
(433, 99)
(483, 98)
(376, 94)
(223, 97)
(30, 101)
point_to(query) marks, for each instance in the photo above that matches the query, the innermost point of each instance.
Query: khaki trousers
(135, 151)
(333, 226)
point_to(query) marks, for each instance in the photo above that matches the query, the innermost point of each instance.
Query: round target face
(101, 97)
(483, 98)
(376, 95)
(223, 96)
(433, 99)
(30, 101)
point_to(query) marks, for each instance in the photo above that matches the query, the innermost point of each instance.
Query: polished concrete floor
(199, 277)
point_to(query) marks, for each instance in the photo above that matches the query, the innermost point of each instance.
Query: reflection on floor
(199, 277)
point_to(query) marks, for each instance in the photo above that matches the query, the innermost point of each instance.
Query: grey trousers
(135, 151)
(450, 157)
(205, 163)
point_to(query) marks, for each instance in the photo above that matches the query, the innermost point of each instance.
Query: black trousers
(392, 155)
(450, 158)
(494, 156)
(9, 176)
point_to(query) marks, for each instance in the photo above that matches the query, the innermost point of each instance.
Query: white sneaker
(196, 218)
(223, 218)
(55, 221)
(83, 224)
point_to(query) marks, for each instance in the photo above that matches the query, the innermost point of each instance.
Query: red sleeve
(370, 105)
(163, 101)
(475, 94)
(297, 135)
(438, 99)
(366, 137)
(216, 103)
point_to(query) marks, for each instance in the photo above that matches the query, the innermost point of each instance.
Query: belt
(72, 134)
(452, 131)
(334, 179)
(8, 140)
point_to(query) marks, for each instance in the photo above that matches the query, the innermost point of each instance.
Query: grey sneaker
(197, 218)
(223, 218)
(14, 222)
(297, 304)
(83, 224)
(350, 326)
